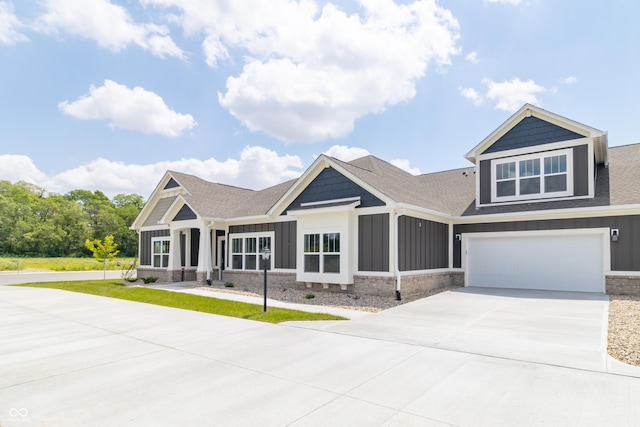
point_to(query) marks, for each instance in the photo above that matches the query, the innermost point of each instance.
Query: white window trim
(321, 253)
(542, 195)
(160, 239)
(243, 236)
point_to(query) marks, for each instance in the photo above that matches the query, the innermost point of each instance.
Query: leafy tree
(103, 250)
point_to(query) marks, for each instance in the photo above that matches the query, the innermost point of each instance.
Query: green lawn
(62, 264)
(115, 289)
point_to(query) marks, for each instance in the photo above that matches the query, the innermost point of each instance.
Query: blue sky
(109, 94)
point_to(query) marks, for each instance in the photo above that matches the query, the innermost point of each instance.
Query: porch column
(204, 253)
(174, 248)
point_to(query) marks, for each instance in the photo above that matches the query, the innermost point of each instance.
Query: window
(322, 253)
(246, 252)
(160, 253)
(534, 176)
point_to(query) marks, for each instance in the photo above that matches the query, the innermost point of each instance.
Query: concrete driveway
(557, 328)
(74, 360)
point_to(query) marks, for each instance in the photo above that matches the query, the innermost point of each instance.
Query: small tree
(103, 250)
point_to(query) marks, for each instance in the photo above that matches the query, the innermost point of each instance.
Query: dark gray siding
(529, 132)
(184, 214)
(581, 170)
(285, 240)
(625, 253)
(195, 246)
(485, 181)
(373, 242)
(332, 185)
(422, 244)
(145, 244)
(171, 184)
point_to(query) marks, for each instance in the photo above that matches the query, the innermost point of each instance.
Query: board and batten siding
(625, 253)
(422, 244)
(373, 242)
(285, 240)
(332, 185)
(195, 246)
(145, 244)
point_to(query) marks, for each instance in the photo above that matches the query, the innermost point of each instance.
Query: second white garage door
(568, 261)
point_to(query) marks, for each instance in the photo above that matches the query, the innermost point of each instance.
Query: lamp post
(266, 254)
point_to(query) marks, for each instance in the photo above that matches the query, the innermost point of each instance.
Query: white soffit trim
(338, 205)
(151, 202)
(528, 110)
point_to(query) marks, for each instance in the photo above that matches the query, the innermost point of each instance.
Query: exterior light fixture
(265, 254)
(615, 233)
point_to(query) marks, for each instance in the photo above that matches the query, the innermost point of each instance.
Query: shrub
(228, 285)
(131, 279)
(309, 296)
(148, 280)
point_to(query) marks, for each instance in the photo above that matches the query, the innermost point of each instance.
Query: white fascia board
(321, 163)
(302, 181)
(324, 210)
(148, 206)
(172, 210)
(536, 149)
(437, 215)
(326, 202)
(592, 211)
(528, 110)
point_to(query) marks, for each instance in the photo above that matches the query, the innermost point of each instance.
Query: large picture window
(541, 175)
(246, 252)
(322, 253)
(160, 253)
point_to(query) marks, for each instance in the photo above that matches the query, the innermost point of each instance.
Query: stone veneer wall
(623, 285)
(166, 276)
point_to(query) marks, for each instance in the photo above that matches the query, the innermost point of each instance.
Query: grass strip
(115, 289)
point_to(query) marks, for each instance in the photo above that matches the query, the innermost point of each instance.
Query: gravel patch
(367, 303)
(624, 328)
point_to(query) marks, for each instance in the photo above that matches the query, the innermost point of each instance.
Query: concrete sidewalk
(74, 360)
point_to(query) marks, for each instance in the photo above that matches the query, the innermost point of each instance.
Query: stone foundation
(414, 285)
(623, 285)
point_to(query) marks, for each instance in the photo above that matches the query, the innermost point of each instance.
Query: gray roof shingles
(450, 192)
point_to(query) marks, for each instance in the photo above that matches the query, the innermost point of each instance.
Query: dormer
(537, 156)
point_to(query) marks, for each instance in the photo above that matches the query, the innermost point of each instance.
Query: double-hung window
(160, 252)
(541, 175)
(246, 252)
(322, 253)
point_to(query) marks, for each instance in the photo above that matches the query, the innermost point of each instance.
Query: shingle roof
(450, 192)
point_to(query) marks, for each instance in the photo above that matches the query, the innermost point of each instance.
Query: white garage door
(531, 260)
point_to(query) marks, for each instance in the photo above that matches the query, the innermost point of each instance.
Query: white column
(174, 257)
(204, 250)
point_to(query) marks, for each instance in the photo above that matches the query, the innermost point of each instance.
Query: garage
(561, 260)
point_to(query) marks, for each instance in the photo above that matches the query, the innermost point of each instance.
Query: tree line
(36, 223)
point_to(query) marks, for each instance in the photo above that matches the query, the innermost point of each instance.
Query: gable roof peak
(529, 110)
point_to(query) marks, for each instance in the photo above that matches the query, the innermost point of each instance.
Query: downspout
(397, 253)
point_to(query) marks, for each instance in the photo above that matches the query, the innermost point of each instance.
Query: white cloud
(310, 72)
(472, 57)
(346, 154)
(510, 95)
(472, 94)
(507, 95)
(10, 26)
(511, 2)
(256, 168)
(15, 167)
(404, 165)
(109, 25)
(133, 109)
(568, 80)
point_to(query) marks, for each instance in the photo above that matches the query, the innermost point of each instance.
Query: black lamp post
(266, 254)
